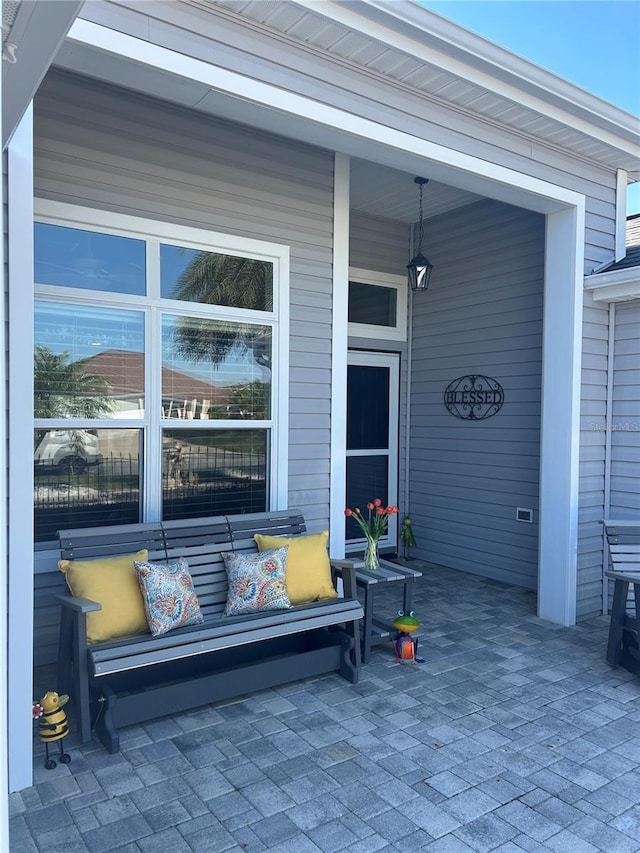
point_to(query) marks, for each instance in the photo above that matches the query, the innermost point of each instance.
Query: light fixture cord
(421, 226)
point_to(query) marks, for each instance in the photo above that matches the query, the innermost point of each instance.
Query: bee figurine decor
(52, 724)
(404, 645)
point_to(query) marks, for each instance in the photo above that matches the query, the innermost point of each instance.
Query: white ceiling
(382, 191)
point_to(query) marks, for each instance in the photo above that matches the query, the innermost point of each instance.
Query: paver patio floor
(513, 735)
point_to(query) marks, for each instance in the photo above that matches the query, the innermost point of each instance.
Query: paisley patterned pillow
(168, 595)
(256, 582)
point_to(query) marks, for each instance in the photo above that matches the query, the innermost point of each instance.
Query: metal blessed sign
(474, 397)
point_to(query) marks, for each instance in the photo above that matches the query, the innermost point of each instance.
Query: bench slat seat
(225, 633)
(113, 682)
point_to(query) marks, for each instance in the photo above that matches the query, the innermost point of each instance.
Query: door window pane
(212, 369)
(88, 362)
(85, 478)
(192, 275)
(372, 305)
(367, 407)
(367, 478)
(73, 257)
(213, 472)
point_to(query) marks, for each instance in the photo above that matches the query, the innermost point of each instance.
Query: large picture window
(159, 371)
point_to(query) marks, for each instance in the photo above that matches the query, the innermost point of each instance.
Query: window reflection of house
(183, 396)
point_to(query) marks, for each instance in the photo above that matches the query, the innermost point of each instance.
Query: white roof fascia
(616, 286)
(403, 24)
(533, 192)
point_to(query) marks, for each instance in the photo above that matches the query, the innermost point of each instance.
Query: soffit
(382, 191)
(309, 23)
(32, 33)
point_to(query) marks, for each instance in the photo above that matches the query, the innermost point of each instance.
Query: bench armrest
(79, 605)
(631, 575)
(348, 574)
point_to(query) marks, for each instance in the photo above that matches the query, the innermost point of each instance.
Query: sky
(592, 43)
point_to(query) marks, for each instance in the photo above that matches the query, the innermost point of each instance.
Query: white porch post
(339, 346)
(4, 581)
(20, 531)
(560, 420)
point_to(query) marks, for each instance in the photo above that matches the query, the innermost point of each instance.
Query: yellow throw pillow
(113, 583)
(308, 572)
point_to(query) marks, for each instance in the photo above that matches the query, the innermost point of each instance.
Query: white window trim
(76, 216)
(391, 282)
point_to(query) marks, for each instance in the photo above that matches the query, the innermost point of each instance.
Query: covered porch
(210, 123)
(514, 734)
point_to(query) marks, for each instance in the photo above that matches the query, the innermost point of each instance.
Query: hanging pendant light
(419, 268)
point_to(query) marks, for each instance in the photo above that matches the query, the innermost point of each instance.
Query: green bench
(141, 677)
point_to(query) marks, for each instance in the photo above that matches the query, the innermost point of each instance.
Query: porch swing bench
(142, 677)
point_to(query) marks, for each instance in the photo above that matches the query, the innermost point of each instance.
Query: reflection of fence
(193, 465)
(205, 481)
(85, 496)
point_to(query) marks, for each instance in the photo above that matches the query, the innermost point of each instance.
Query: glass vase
(371, 557)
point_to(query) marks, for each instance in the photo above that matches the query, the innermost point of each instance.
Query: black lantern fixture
(419, 268)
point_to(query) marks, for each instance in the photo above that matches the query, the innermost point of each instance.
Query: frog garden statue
(404, 645)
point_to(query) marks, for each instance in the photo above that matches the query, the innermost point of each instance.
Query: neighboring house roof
(124, 371)
(632, 256)
(620, 280)
(633, 230)
(631, 259)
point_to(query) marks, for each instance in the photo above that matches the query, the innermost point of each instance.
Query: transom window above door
(160, 364)
(377, 305)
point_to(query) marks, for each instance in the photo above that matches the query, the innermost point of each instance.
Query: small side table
(376, 631)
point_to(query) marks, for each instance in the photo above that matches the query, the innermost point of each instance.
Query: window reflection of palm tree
(63, 389)
(225, 280)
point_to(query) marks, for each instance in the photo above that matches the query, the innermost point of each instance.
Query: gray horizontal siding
(378, 244)
(592, 458)
(482, 314)
(625, 419)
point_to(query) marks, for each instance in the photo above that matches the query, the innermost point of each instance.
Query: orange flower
(375, 524)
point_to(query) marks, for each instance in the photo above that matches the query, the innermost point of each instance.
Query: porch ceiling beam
(208, 88)
(38, 31)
